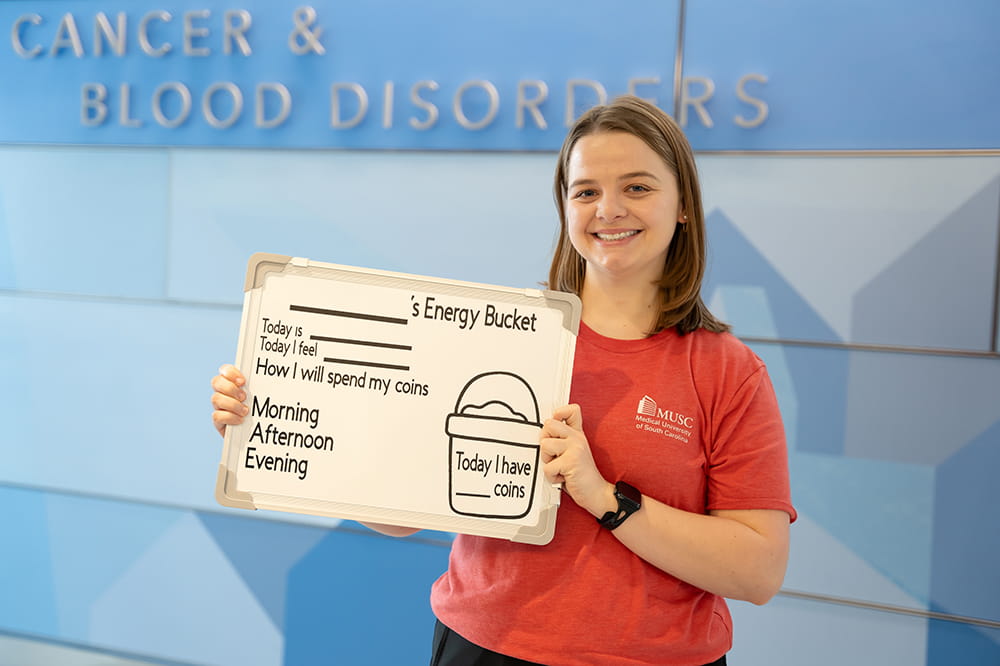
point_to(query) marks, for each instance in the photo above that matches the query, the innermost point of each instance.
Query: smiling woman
(665, 514)
(654, 172)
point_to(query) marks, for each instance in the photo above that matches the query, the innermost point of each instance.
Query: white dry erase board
(398, 399)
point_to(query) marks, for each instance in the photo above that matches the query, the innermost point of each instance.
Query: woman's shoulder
(724, 342)
(722, 351)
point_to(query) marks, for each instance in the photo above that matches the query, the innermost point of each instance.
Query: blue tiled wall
(867, 283)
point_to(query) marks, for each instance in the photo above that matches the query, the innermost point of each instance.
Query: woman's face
(622, 207)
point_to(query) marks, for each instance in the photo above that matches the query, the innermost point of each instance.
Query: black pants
(450, 649)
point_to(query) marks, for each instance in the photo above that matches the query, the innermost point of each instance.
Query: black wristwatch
(629, 501)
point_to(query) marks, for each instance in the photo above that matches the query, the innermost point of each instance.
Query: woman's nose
(610, 207)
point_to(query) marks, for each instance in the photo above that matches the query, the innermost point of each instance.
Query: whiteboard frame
(261, 265)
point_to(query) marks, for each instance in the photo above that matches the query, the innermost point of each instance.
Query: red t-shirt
(691, 421)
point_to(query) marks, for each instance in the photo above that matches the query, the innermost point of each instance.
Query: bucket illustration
(493, 447)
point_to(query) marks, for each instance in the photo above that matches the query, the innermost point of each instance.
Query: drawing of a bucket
(493, 447)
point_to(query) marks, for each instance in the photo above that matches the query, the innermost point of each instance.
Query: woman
(672, 450)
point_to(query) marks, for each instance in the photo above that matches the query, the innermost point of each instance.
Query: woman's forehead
(614, 151)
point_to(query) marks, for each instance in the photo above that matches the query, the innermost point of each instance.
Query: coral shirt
(691, 421)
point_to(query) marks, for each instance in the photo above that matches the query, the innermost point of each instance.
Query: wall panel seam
(889, 608)
(880, 348)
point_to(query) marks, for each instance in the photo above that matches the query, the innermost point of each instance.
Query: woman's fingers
(571, 415)
(232, 373)
(222, 418)
(551, 447)
(228, 397)
(223, 402)
(553, 470)
(566, 455)
(225, 386)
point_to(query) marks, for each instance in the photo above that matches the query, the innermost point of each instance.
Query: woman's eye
(638, 188)
(583, 194)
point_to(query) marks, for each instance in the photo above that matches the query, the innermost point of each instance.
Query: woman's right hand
(228, 398)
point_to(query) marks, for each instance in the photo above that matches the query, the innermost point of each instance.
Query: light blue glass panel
(891, 250)
(83, 220)
(790, 631)
(480, 218)
(887, 453)
(112, 398)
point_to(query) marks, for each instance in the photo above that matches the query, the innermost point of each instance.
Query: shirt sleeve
(748, 460)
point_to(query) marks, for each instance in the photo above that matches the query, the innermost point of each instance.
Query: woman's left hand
(567, 459)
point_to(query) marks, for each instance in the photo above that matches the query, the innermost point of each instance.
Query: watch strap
(629, 501)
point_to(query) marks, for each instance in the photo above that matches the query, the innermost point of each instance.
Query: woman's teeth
(618, 236)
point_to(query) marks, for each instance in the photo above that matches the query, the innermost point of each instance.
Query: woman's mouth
(616, 236)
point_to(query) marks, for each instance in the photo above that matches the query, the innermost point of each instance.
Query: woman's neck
(623, 312)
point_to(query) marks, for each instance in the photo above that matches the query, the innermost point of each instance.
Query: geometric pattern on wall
(966, 567)
(733, 260)
(735, 263)
(167, 600)
(823, 563)
(351, 583)
(832, 225)
(894, 539)
(829, 634)
(83, 566)
(880, 510)
(955, 644)
(918, 408)
(264, 570)
(940, 292)
(870, 427)
(155, 583)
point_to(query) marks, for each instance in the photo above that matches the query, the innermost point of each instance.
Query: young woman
(672, 451)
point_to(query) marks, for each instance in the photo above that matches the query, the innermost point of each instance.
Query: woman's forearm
(740, 554)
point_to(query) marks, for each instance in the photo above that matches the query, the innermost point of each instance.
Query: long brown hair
(680, 284)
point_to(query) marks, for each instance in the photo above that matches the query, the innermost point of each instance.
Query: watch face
(628, 493)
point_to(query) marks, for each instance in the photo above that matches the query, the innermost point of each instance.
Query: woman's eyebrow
(638, 174)
(625, 176)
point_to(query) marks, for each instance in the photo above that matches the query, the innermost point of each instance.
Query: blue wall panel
(362, 599)
(87, 221)
(814, 633)
(838, 248)
(470, 217)
(208, 588)
(965, 574)
(847, 75)
(30, 597)
(950, 644)
(113, 396)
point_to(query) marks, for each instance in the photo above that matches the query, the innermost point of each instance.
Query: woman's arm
(736, 554)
